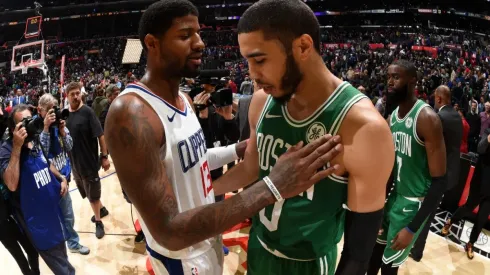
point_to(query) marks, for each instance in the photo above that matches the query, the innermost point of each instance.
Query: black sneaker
(99, 230)
(103, 213)
(140, 237)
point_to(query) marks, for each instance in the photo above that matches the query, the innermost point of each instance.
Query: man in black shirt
(473, 118)
(85, 129)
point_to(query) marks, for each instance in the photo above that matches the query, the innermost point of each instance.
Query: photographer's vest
(39, 201)
(57, 154)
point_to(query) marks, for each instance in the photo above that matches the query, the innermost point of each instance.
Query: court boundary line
(104, 177)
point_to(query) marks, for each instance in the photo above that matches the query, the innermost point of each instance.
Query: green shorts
(399, 212)
(262, 262)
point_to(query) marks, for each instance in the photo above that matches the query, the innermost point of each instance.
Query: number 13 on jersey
(206, 179)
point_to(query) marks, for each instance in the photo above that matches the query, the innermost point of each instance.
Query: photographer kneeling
(36, 189)
(56, 142)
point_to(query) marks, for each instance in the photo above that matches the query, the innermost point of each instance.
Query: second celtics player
(300, 100)
(418, 174)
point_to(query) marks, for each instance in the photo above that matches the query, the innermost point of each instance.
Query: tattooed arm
(135, 135)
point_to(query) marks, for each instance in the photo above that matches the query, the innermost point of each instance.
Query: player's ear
(151, 42)
(305, 45)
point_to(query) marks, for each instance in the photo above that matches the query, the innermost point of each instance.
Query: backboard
(30, 55)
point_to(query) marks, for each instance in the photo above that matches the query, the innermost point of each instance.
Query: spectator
(85, 129)
(466, 131)
(56, 143)
(36, 183)
(100, 102)
(381, 104)
(111, 93)
(485, 118)
(473, 119)
(19, 98)
(247, 87)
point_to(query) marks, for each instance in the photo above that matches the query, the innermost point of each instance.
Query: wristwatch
(104, 156)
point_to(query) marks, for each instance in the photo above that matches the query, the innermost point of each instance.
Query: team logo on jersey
(409, 122)
(315, 131)
(194, 271)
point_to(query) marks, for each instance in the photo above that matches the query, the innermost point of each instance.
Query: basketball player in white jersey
(162, 161)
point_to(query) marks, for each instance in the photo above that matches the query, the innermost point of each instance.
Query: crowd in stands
(459, 61)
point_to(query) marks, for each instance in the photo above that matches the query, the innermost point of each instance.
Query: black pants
(472, 144)
(12, 239)
(481, 218)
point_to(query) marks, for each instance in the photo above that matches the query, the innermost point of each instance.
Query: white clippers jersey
(185, 162)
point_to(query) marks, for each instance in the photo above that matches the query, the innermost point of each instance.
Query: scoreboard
(33, 27)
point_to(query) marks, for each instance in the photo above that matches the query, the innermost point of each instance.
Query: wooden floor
(116, 253)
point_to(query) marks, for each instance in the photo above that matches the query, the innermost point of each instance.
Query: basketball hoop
(24, 69)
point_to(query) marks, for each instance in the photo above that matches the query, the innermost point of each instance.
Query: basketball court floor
(117, 253)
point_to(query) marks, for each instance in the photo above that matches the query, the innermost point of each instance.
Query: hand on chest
(272, 145)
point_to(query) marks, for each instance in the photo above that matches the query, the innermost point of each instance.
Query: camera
(221, 97)
(33, 126)
(60, 115)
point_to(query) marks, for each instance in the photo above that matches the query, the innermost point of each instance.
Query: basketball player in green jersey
(300, 100)
(418, 174)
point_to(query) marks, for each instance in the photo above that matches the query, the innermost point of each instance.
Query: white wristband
(273, 188)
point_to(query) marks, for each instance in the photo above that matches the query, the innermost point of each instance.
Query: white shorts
(208, 263)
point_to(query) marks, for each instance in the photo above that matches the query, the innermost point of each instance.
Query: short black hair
(159, 16)
(407, 66)
(284, 20)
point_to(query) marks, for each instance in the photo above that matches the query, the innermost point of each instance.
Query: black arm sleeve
(360, 233)
(431, 202)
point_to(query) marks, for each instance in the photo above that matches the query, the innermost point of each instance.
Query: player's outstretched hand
(297, 169)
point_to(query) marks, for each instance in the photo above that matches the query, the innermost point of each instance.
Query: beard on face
(398, 96)
(174, 68)
(290, 80)
(189, 71)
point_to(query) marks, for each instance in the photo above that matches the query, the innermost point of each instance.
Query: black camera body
(33, 126)
(60, 115)
(222, 97)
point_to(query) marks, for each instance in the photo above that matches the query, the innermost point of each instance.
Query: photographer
(217, 122)
(56, 142)
(37, 188)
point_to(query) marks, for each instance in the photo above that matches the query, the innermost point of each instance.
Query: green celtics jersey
(309, 225)
(411, 176)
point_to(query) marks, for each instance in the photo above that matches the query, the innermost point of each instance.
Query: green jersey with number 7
(310, 225)
(411, 175)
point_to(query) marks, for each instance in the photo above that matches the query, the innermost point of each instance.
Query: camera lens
(65, 113)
